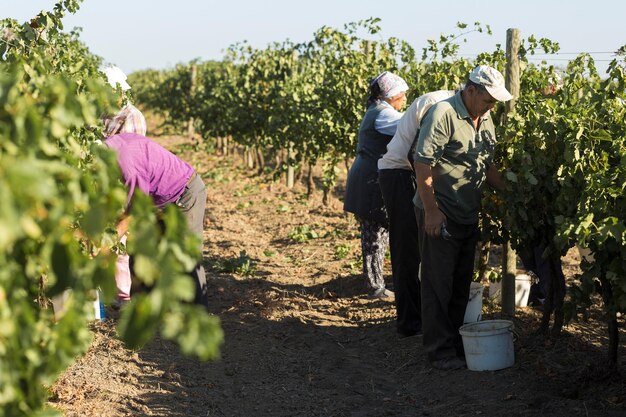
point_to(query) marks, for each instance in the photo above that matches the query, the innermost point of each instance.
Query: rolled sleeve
(433, 137)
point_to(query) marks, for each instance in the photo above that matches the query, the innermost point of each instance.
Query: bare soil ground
(301, 338)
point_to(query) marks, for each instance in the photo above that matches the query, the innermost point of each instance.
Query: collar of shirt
(461, 110)
(385, 104)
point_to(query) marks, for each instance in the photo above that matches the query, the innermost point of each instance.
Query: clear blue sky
(139, 34)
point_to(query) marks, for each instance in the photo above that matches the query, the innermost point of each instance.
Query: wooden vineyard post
(509, 270)
(291, 155)
(249, 154)
(191, 130)
(512, 82)
(225, 145)
(309, 181)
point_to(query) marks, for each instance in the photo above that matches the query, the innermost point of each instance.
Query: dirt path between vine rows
(301, 339)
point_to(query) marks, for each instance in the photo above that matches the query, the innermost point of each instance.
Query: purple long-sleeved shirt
(150, 167)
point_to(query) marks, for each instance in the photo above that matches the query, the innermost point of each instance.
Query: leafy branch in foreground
(61, 197)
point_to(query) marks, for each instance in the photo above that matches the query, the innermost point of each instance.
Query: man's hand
(433, 217)
(432, 222)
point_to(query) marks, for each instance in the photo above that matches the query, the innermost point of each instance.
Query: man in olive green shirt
(453, 160)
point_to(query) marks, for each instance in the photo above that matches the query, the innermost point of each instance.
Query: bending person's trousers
(193, 204)
(398, 189)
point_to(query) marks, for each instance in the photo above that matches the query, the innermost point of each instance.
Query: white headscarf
(115, 76)
(390, 84)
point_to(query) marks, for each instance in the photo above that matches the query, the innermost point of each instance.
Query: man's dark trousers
(446, 271)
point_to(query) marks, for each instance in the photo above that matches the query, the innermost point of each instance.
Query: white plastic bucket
(474, 309)
(522, 290)
(98, 306)
(59, 304)
(488, 345)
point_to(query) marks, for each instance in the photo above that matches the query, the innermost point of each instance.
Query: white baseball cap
(492, 80)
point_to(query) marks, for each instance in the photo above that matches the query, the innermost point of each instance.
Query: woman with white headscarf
(363, 196)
